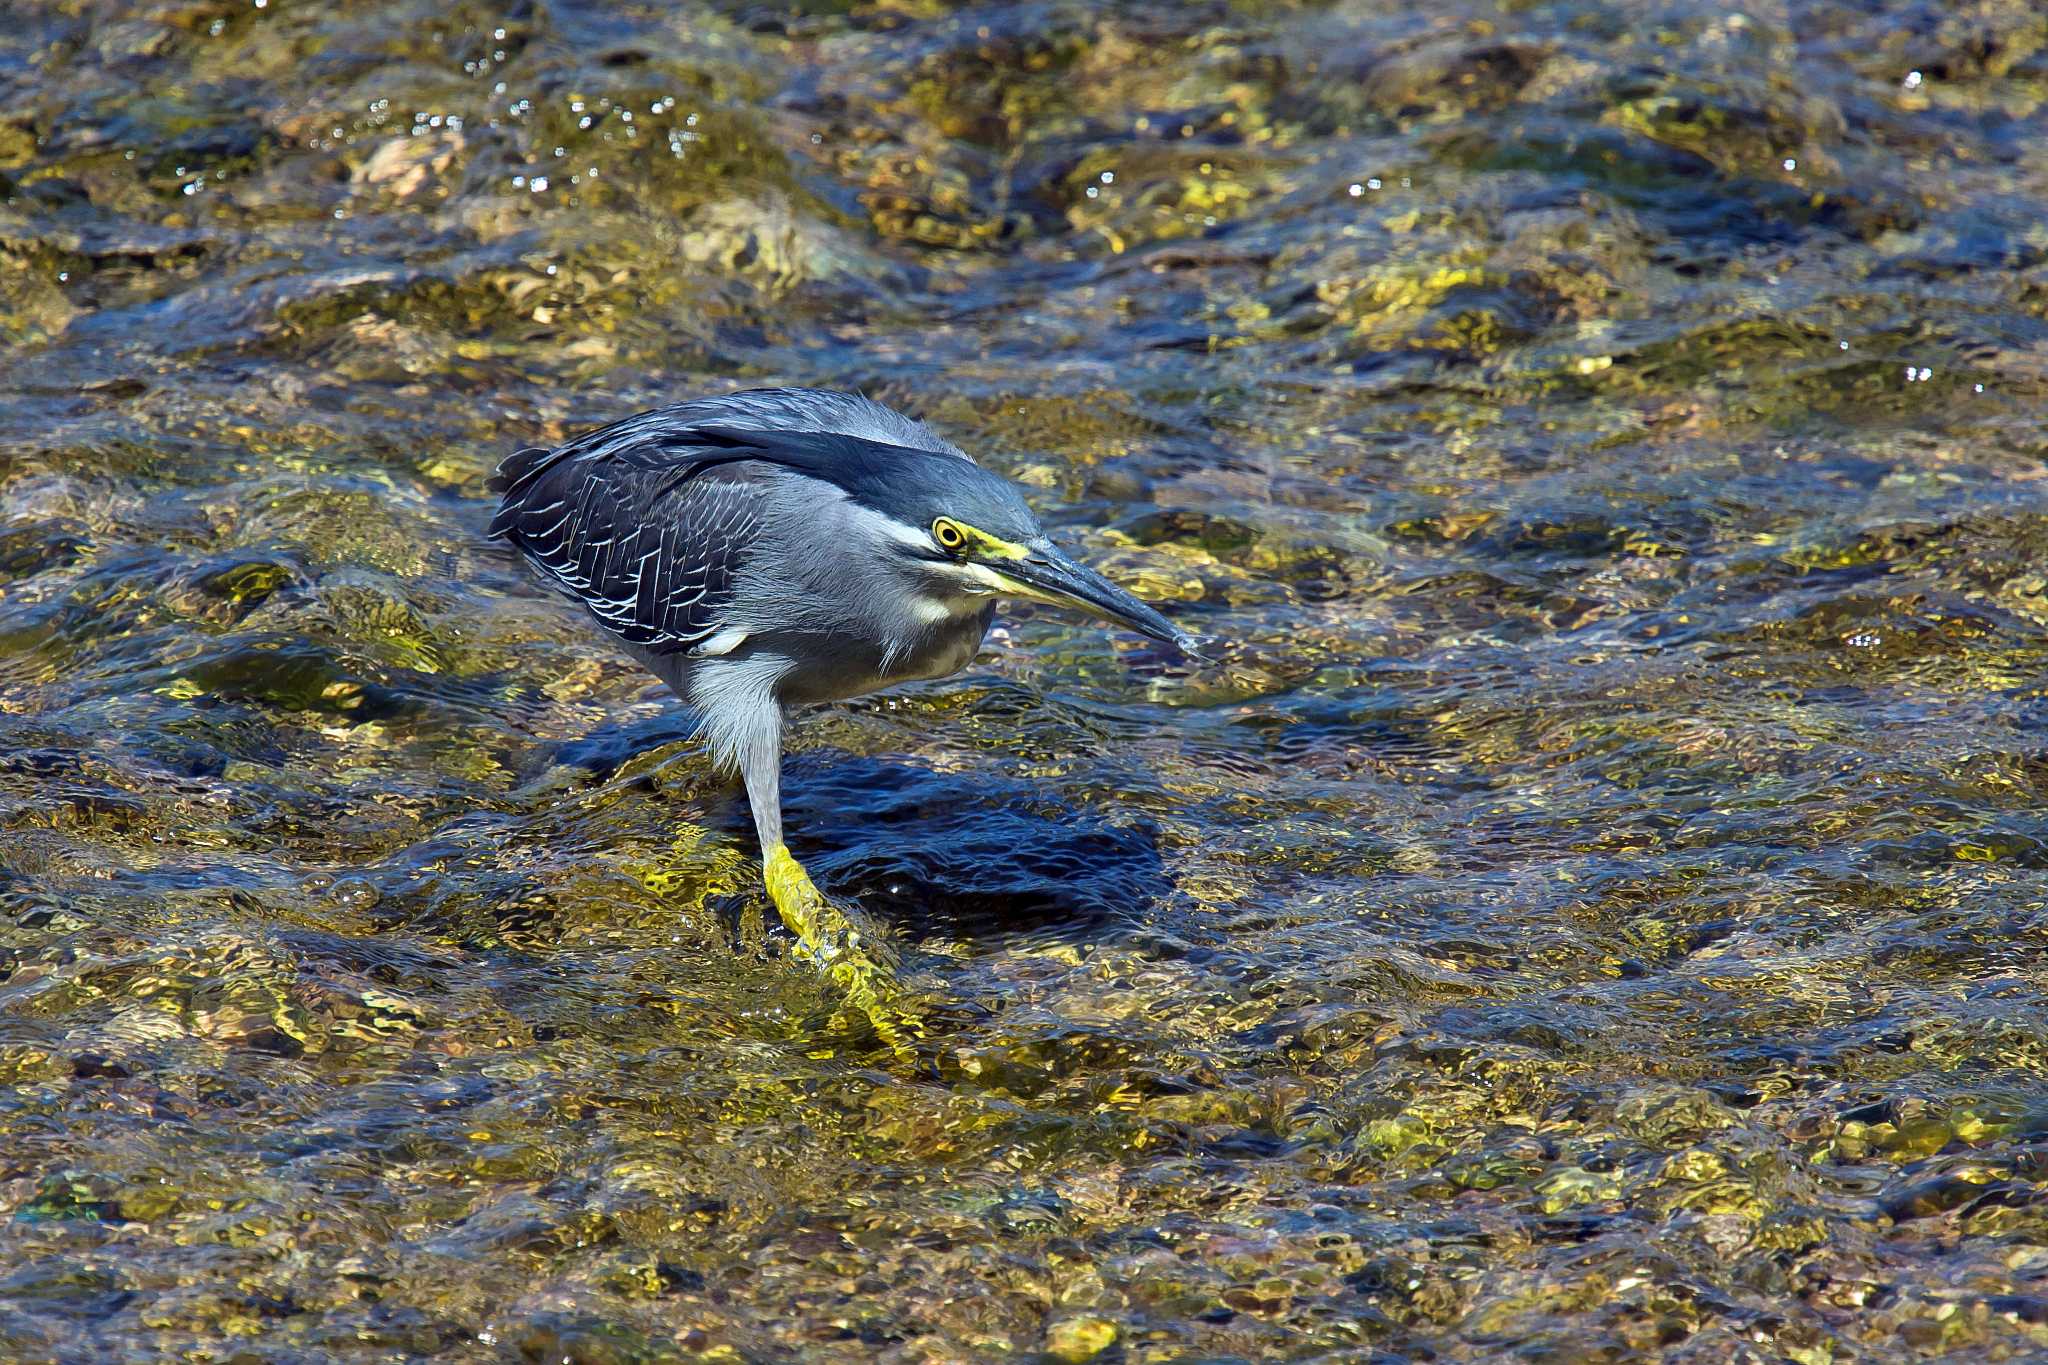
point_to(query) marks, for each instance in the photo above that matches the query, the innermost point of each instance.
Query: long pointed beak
(1048, 574)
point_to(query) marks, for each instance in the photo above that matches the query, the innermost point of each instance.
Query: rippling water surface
(1591, 908)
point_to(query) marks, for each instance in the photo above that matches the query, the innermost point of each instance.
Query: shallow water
(1592, 907)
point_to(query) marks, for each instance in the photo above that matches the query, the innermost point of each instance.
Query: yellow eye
(948, 534)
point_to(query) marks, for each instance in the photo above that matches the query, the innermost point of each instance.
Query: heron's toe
(843, 942)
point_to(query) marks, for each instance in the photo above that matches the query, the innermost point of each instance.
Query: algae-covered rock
(1581, 906)
(1080, 1338)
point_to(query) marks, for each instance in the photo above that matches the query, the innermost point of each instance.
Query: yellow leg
(849, 951)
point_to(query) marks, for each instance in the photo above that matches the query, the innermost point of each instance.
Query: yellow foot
(845, 945)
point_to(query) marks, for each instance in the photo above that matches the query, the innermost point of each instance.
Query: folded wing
(651, 554)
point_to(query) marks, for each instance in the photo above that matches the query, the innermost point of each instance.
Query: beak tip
(1052, 576)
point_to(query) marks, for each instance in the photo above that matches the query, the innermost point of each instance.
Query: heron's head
(970, 534)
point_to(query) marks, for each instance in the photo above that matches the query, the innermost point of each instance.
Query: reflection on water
(1588, 910)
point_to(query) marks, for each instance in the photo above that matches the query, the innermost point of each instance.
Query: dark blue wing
(651, 555)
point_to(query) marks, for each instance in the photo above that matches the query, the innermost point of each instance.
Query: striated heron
(778, 547)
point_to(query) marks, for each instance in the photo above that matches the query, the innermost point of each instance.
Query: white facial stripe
(982, 577)
(930, 611)
(1003, 584)
(867, 521)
